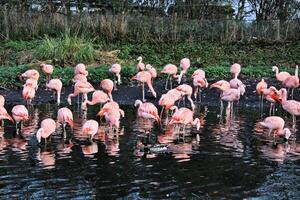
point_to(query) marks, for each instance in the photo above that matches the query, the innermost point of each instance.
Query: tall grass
(66, 49)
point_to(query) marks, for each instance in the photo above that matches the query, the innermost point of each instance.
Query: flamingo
(55, 84)
(116, 70)
(184, 116)
(292, 82)
(90, 128)
(112, 116)
(79, 77)
(272, 95)
(48, 127)
(262, 85)
(28, 94)
(4, 115)
(199, 73)
(152, 71)
(186, 90)
(237, 83)
(291, 106)
(47, 69)
(31, 73)
(199, 82)
(280, 76)
(81, 69)
(145, 77)
(168, 100)
(98, 97)
(276, 124)
(147, 110)
(65, 115)
(231, 95)
(235, 69)
(81, 87)
(19, 114)
(171, 70)
(30, 82)
(222, 85)
(185, 63)
(140, 66)
(107, 85)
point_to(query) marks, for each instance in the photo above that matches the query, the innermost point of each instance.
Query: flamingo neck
(296, 71)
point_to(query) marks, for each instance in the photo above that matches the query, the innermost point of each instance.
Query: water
(233, 160)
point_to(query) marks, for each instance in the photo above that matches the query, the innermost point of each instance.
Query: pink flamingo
(235, 69)
(65, 115)
(184, 116)
(276, 124)
(187, 91)
(222, 85)
(231, 95)
(90, 128)
(185, 63)
(79, 77)
(140, 66)
(31, 73)
(272, 95)
(147, 110)
(237, 83)
(28, 94)
(81, 87)
(292, 82)
(262, 85)
(48, 127)
(4, 115)
(2, 101)
(112, 116)
(47, 69)
(30, 82)
(107, 85)
(280, 76)
(98, 97)
(168, 100)
(291, 106)
(171, 70)
(199, 73)
(152, 71)
(20, 114)
(81, 69)
(199, 82)
(55, 84)
(144, 77)
(116, 70)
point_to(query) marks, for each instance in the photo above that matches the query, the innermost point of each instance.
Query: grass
(9, 75)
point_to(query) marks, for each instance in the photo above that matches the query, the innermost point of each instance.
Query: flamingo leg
(64, 130)
(292, 93)
(171, 82)
(143, 88)
(161, 112)
(166, 86)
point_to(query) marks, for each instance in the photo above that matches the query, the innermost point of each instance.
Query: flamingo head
(138, 103)
(139, 59)
(274, 68)
(148, 67)
(39, 135)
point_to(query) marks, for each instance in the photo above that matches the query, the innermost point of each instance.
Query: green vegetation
(67, 51)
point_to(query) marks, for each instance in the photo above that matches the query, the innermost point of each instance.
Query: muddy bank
(126, 95)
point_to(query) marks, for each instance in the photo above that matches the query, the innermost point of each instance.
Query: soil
(126, 95)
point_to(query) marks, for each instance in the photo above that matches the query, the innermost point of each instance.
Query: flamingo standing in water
(20, 114)
(140, 66)
(81, 87)
(199, 82)
(292, 82)
(65, 115)
(275, 124)
(55, 84)
(184, 116)
(168, 100)
(97, 97)
(187, 91)
(280, 76)
(147, 110)
(112, 116)
(291, 106)
(48, 127)
(272, 95)
(4, 115)
(171, 70)
(231, 95)
(90, 128)
(107, 85)
(185, 63)
(262, 85)
(222, 85)
(28, 94)
(47, 69)
(145, 77)
(235, 70)
(116, 70)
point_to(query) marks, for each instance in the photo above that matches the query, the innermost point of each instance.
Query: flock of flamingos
(230, 92)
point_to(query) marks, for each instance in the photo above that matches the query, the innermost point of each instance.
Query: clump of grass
(66, 49)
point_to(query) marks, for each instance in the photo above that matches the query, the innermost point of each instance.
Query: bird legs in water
(197, 95)
(272, 109)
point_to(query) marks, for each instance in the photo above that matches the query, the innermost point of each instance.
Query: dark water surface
(233, 160)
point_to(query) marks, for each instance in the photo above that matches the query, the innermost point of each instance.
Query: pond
(232, 160)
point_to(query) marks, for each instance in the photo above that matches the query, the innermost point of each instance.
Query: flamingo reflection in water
(46, 158)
